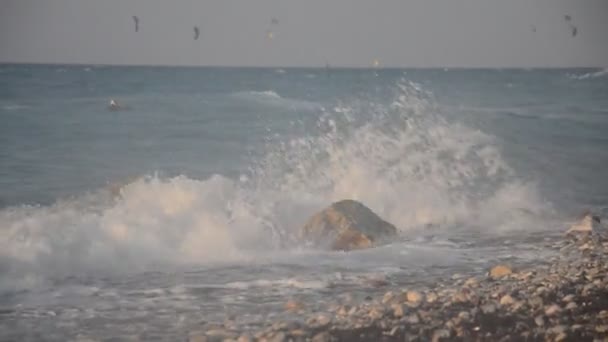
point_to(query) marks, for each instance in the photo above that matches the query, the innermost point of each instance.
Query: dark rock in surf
(347, 225)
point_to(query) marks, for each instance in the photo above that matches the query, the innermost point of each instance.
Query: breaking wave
(589, 75)
(402, 159)
(271, 98)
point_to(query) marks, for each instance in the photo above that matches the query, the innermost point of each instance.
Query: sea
(183, 208)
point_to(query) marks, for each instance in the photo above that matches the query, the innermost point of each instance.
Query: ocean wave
(260, 94)
(271, 98)
(12, 107)
(590, 75)
(402, 159)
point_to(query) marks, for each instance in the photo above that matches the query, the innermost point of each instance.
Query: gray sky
(404, 33)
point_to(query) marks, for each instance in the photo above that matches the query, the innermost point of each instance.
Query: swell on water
(401, 158)
(590, 75)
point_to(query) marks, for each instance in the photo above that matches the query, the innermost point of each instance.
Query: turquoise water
(185, 207)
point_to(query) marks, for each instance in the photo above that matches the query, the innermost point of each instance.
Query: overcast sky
(403, 33)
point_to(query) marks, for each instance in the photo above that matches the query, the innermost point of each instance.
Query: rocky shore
(564, 299)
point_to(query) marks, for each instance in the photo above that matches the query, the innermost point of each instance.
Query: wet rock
(587, 224)
(558, 329)
(376, 281)
(471, 282)
(394, 331)
(344, 310)
(431, 297)
(412, 319)
(414, 298)
(298, 333)
(347, 225)
(322, 337)
(535, 302)
(540, 290)
(560, 337)
(568, 298)
(398, 310)
(464, 316)
(376, 313)
(293, 305)
(601, 328)
(278, 337)
(507, 300)
(319, 321)
(440, 334)
(460, 297)
(245, 338)
(217, 333)
(500, 271)
(488, 308)
(388, 297)
(197, 337)
(552, 310)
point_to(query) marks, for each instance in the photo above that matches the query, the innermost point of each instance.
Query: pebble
(389, 296)
(488, 308)
(464, 315)
(322, 337)
(440, 334)
(568, 298)
(344, 310)
(394, 331)
(539, 320)
(245, 338)
(217, 333)
(414, 297)
(413, 319)
(500, 271)
(552, 310)
(293, 305)
(298, 333)
(471, 282)
(197, 337)
(535, 302)
(376, 313)
(460, 297)
(558, 329)
(398, 311)
(319, 321)
(431, 297)
(601, 328)
(560, 337)
(278, 337)
(575, 327)
(506, 300)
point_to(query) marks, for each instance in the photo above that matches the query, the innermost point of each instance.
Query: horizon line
(343, 67)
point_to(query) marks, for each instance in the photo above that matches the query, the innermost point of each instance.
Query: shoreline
(562, 299)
